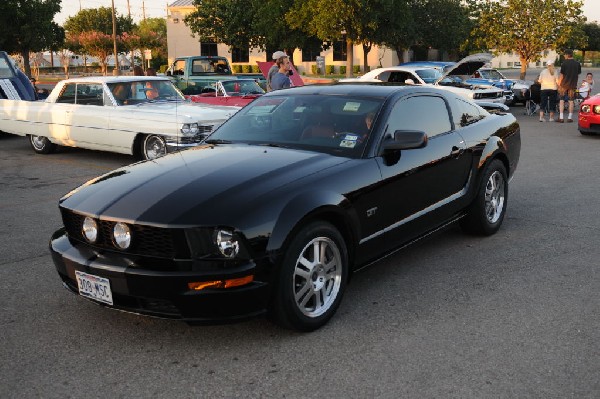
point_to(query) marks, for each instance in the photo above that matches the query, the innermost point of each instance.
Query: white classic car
(140, 115)
(452, 79)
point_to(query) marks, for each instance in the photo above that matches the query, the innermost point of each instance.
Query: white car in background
(453, 79)
(143, 116)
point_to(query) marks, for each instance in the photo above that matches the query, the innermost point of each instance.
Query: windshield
(337, 125)
(241, 87)
(491, 74)
(141, 91)
(429, 75)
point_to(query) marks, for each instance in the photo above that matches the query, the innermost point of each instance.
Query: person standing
(281, 79)
(274, 68)
(567, 84)
(549, 89)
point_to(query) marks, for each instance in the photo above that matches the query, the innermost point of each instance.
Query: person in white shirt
(549, 90)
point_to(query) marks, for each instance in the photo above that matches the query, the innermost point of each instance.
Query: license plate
(94, 287)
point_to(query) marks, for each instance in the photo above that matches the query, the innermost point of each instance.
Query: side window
(465, 114)
(68, 94)
(179, 67)
(424, 113)
(90, 94)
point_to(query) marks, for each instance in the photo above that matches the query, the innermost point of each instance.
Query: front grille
(490, 95)
(146, 240)
(595, 127)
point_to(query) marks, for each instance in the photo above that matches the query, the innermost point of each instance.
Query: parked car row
(452, 77)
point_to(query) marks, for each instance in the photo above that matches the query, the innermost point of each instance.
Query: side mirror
(405, 140)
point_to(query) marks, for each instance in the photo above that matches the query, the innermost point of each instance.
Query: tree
(451, 21)
(96, 44)
(331, 21)
(592, 32)
(222, 21)
(27, 26)
(152, 33)
(99, 20)
(527, 27)
(398, 29)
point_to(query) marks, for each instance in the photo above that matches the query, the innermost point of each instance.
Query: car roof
(367, 89)
(114, 79)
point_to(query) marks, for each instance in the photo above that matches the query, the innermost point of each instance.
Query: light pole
(117, 70)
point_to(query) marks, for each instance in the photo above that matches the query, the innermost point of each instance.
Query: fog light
(230, 283)
(585, 108)
(227, 244)
(90, 229)
(122, 235)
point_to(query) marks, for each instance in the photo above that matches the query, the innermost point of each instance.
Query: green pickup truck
(198, 74)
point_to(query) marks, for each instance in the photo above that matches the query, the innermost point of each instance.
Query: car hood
(468, 65)
(161, 109)
(206, 185)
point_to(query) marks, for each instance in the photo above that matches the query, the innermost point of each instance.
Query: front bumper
(589, 123)
(163, 294)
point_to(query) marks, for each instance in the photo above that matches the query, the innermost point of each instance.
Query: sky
(153, 8)
(158, 8)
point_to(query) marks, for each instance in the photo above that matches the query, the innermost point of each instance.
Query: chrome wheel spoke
(317, 276)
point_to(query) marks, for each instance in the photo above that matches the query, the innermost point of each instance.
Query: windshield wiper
(218, 141)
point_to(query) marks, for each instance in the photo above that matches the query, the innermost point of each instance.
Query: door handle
(456, 152)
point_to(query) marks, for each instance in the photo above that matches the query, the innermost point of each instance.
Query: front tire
(153, 146)
(486, 213)
(41, 144)
(312, 278)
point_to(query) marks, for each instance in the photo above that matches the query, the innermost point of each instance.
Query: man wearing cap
(281, 79)
(273, 70)
(567, 84)
(548, 91)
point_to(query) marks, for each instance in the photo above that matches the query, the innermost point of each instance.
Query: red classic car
(234, 92)
(589, 116)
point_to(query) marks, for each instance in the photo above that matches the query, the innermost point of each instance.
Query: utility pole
(144, 9)
(116, 71)
(132, 58)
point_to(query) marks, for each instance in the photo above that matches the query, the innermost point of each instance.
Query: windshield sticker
(351, 137)
(348, 143)
(351, 107)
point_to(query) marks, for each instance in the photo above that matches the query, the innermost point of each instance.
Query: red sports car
(589, 116)
(235, 92)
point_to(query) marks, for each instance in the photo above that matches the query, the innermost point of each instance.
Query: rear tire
(486, 213)
(41, 144)
(312, 278)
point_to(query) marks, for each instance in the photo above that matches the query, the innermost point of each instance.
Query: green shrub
(236, 68)
(329, 69)
(255, 69)
(163, 68)
(314, 70)
(356, 69)
(342, 69)
(246, 68)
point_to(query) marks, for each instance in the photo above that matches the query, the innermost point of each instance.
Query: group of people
(564, 87)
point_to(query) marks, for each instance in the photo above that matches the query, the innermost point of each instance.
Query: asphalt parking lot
(515, 315)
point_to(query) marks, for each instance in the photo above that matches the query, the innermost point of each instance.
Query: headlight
(122, 235)
(585, 108)
(226, 242)
(190, 128)
(90, 229)
(597, 109)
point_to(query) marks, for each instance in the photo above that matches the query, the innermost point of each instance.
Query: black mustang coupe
(284, 201)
